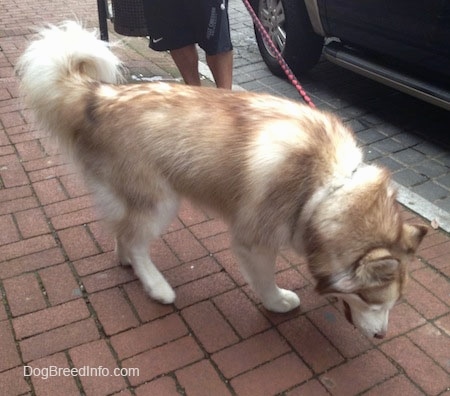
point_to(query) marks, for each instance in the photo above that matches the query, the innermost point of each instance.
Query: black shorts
(174, 24)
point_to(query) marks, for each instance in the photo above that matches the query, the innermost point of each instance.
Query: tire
(289, 27)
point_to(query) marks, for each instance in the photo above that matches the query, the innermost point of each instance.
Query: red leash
(287, 70)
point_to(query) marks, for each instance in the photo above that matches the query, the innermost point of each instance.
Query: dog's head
(372, 285)
(359, 248)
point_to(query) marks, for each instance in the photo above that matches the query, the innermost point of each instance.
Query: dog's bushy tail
(56, 66)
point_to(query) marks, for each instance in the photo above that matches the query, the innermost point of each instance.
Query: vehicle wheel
(288, 25)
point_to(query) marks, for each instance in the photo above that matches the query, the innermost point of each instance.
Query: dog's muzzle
(348, 316)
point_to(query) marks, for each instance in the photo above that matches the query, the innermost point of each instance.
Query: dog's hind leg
(258, 267)
(133, 234)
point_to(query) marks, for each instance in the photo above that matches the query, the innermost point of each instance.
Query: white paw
(162, 292)
(284, 301)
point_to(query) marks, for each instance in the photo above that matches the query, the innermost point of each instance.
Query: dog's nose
(380, 335)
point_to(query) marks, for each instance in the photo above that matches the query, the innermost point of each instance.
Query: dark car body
(402, 43)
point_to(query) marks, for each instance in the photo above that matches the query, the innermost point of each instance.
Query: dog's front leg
(258, 267)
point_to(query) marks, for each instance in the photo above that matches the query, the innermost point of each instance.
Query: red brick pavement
(66, 303)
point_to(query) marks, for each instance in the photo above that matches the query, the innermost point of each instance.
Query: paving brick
(146, 308)
(24, 294)
(11, 119)
(431, 191)
(96, 263)
(12, 382)
(13, 175)
(432, 239)
(148, 336)
(74, 185)
(444, 324)
(49, 318)
(163, 359)
(273, 377)
(94, 355)
(49, 191)
(18, 205)
(241, 313)
(442, 263)
(101, 234)
(311, 388)
(109, 278)
(402, 319)
(190, 215)
(46, 383)
(10, 356)
(29, 150)
(9, 230)
(310, 299)
(32, 222)
(162, 256)
(201, 379)
(423, 301)
(417, 365)
(68, 206)
(248, 354)
(434, 343)
(3, 314)
(77, 243)
(80, 217)
(228, 261)
(372, 368)
(399, 385)
(191, 271)
(310, 344)
(290, 279)
(408, 177)
(349, 341)
(203, 289)
(435, 283)
(27, 246)
(113, 311)
(60, 284)
(27, 138)
(217, 243)
(59, 339)
(209, 326)
(209, 228)
(435, 251)
(8, 194)
(50, 173)
(30, 262)
(185, 246)
(164, 386)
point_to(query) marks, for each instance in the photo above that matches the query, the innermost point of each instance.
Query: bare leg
(258, 267)
(186, 59)
(221, 66)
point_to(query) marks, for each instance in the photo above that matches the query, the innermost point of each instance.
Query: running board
(413, 86)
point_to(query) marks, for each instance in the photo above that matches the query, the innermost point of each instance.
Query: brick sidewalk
(67, 303)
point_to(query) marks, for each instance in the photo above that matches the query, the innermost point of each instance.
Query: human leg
(221, 66)
(186, 60)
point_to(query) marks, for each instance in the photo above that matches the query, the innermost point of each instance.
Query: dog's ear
(412, 235)
(375, 269)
